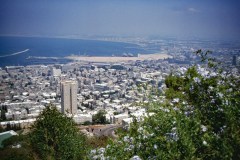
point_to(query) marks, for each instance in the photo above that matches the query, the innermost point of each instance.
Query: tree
(200, 119)
(3, 116)
(24, 152)
(16, 154)
(1, 129)
(100, 117)
(55, 136)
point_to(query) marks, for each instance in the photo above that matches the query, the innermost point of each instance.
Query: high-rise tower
(69, 97)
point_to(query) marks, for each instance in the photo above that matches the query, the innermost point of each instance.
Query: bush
(200, 119)
(100, 118)
(55, 136)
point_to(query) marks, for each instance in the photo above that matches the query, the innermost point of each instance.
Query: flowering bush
(200, 119)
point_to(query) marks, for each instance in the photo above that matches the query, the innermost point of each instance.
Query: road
(109, 131)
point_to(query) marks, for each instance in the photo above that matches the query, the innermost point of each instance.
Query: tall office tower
(69, 97)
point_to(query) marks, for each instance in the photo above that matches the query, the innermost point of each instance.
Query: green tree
(3, 116)
(100, 117)
(1, 129)
(24, 152)
(16, 154)
(55, 136)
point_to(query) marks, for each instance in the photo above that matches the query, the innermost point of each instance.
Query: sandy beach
(140, 57)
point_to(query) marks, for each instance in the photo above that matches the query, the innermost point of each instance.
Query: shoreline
(141, 57)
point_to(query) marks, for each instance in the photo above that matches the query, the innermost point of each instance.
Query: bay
(20, 50)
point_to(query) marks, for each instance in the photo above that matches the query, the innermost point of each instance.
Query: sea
(22, 51)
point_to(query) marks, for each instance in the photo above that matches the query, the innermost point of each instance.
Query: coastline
(141, 57)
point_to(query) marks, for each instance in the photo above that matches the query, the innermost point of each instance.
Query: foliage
(3, 116)
(86, 123)
(24, 152)
(200, 119)
(1, 129)
(96, 142)
(14, 140)
(16, 154)
(100, 117)
(55, 136)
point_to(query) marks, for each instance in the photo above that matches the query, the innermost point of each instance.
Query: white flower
(220, 95)
(140, 129)
(152, 134)
(136, 158)
(131, 139)
(196, 80)
(93, 151)
(126, 138)
(213, 101)
(175, 108)
(155, 146)
(213, 74)
(175, 136)
(230, 90)
(210, 88)
(145, 137)
(172, 136)
(191, 88)
(204, 143)
(166, 110)
(139, 145)
(174, 129)
(131, 147)
(204, 128)
(95, 157)
(226, 102)
(176, 100)
(101, 150)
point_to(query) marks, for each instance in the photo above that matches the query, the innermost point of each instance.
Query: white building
(56, 72)
(126, 122)
(81, 118)
(101, 87)
(117, 119)
(69, 97)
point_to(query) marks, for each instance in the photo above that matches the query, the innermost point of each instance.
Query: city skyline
(183, 19)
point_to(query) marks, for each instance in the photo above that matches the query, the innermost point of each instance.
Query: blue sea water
(59, 47)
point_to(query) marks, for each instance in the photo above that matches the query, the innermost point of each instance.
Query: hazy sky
(215, 19)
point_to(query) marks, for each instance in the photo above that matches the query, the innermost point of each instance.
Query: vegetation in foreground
(199, 120)
(55, 136)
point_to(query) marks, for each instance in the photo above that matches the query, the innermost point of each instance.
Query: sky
(207, 19)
